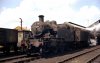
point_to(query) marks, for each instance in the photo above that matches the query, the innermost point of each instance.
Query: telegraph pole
(21, 23)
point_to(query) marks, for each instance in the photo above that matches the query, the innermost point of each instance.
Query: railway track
(20, 59)
(86, 57)
(81, 57)
(95, 60)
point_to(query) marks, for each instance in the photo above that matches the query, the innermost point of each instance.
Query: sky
(82, 12)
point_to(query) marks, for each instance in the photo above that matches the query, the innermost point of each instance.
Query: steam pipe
(21, 23)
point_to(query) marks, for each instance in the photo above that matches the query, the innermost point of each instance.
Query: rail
(19, 59)
(85, 57)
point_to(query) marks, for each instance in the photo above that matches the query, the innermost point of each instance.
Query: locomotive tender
(52, 37)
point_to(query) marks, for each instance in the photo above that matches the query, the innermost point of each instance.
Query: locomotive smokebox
(41, 18)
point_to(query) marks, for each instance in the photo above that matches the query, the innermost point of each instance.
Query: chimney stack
(41, 18)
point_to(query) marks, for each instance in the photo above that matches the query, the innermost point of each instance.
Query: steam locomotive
(56, 38)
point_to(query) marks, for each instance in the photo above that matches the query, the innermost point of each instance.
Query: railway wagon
(22, 37)
(8, 39)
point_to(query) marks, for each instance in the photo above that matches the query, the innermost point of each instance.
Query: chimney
(41, 18)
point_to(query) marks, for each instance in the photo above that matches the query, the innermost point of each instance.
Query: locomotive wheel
(42, 52)
(6, 50)
(55, 51)
(15, 48)
(3, 49)
(28, 52)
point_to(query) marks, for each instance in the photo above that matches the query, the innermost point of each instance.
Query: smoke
(95, 28)
(93, 42)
